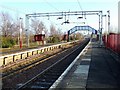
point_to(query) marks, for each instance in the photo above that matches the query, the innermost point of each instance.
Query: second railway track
(48, 76)
(53, 67)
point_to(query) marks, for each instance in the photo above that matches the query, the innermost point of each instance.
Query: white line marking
(66, 71)
(86, 59)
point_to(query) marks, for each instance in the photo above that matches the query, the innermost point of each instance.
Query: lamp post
(108, 13)
(27, 29)
(105, 27)
(108, 30)
(20, 32)
(101, 22)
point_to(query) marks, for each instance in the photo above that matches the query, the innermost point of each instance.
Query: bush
(7, 42)
(71, 38)
(54, 39)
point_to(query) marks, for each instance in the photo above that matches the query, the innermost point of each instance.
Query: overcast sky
(18, 8)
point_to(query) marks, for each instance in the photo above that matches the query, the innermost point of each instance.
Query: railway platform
(96, 68)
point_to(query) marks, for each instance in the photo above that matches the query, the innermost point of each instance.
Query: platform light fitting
(79, 17)
(59, 18)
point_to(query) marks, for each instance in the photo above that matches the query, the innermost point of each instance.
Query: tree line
(9, 29)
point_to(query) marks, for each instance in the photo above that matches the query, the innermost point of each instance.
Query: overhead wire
(12, 9)
(50, 5)
(79, 5)
(81, 9)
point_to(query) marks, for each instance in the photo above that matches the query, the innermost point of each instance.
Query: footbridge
(81, 28)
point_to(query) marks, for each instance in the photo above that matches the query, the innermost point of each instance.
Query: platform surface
(96, 68)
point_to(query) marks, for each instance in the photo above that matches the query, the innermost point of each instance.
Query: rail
(6, 59)
(52, 72)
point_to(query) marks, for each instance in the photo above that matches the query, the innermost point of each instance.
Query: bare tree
(38, 26)
(79, 36)
(59, 32)
(6, 24)
(53, 30)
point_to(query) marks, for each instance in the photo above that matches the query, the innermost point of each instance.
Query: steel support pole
(106, 31)
(20, 33)
(99, 29)
(68, 39)
(108, 21)
(119, 17)
(108, 26)
(101, 22)
(27, 29)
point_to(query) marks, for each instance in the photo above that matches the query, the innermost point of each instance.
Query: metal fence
(112, 41)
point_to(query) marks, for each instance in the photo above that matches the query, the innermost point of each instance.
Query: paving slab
(104, 70)
(96, 69)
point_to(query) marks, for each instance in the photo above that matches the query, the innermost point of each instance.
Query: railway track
(26, 67)
(33, 64)
(47, 77)
(15, 79)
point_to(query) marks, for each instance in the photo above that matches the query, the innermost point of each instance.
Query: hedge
(7, 42)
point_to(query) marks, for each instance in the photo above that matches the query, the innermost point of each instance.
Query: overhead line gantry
(65, 14)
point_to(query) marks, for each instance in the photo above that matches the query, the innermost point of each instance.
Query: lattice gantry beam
(63, 14)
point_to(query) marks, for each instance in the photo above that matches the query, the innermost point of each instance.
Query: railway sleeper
(42, 82)
(39, 87)
(50, 77)
(54, 74)
(56, 71)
